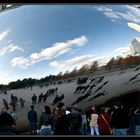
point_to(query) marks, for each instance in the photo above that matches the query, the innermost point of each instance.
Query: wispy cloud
(73, 61)
(134, 26)
(56, 50)
(10, 48)
(108, 12)
(132, 14)
(4, 33)
(79, 61)
(123, 51)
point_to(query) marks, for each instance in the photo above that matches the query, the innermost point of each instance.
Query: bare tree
(110, 64)
(94, 67)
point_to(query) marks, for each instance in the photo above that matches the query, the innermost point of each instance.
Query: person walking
(34, 99)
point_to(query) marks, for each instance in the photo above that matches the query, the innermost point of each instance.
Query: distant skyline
(39, 40)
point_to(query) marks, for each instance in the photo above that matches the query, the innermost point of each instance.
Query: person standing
(21, 102)
(62, 124)
(45, 121)
(75, 121)
(93, 122)
(34, 99)
(104, 122)
(13, 104)
(7, 123)
(132, 119)
(119, 120)
(137, 121)
(40, 97)
(32, 118)
(84, 123)
(5, 103)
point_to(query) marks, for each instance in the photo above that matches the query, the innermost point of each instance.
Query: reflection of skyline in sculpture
(135, 45)
(4, 7)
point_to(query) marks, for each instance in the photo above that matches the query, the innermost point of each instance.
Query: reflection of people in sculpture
(133, 78)
(79, 99)
(98, 95)
(101, 86)
(105, 83)
(100, 80)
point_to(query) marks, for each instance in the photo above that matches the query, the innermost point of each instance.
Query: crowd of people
(14, 101)
(43, 97)
(114, 120)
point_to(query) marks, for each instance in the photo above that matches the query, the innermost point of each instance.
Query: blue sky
(39, 40)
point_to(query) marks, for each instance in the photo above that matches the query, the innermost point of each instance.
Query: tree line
(86, 69)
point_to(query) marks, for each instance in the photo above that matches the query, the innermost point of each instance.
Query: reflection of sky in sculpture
(36, 41)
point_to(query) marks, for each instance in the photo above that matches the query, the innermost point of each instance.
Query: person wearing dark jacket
(7, 124)
(119, 120)
(40, 97)
(75, 119)
(131, 118)
(62, 124)
(5, 104)
(32, 118)
(137, 121)
(34, 99)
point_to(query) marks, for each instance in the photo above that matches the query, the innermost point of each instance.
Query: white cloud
(73, 61)
(10, 48)
(104, 9)
(134, 26)
(80, 60)
(20, 62)
(123, 51)
(111, 15)
(132, 14)
(5, 77)
(48, 53)
(4, 34)
(107, 12)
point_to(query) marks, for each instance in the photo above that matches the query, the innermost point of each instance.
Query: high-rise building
(135, 48)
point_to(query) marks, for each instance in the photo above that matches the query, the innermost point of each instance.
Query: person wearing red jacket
(104, 121)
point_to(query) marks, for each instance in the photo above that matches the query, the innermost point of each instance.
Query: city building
(135, 48)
